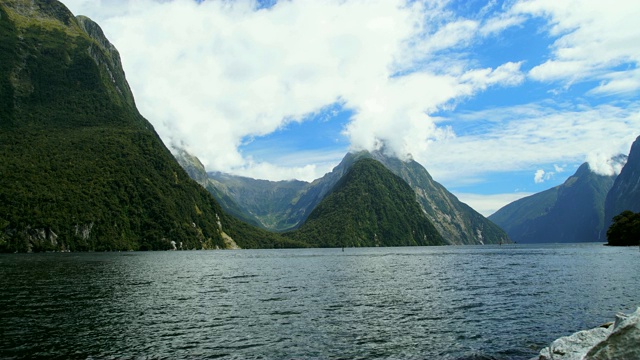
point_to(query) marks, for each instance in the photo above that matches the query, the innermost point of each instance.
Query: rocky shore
(617, 340)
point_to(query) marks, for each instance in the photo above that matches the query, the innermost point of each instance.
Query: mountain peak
(44, 14)
(570, 212)
(369, 206)
(456, 222)
(607, 166)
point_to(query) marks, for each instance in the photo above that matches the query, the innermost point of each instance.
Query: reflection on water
(429, 302)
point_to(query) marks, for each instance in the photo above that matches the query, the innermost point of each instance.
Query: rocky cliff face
(625, 192)
(192, 166)
(457, 222)
(108, 59)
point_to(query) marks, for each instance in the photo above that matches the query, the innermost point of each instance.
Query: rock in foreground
(618, 341)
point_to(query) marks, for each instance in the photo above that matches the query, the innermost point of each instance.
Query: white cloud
(300, 165)
(497, 24)
(209, 75)
(521, 138)
(619, 82)
(594, 38)
(268, 171)
(539, 176)
(558, 168)
(489, 204)
(603, 164)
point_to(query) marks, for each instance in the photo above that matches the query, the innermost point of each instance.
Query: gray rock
(574, 347)
(618, 341)
(622, 343)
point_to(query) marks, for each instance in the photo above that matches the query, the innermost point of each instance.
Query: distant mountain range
(571, 212)
(285, 205)
(579, 210)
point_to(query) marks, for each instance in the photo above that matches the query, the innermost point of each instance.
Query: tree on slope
(625, 230)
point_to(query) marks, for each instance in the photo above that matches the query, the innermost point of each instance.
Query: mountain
(369, 206)
(625, 192)
(270, 203)
(197, 172)
(571, 212)
(455, 221)
(81, 169)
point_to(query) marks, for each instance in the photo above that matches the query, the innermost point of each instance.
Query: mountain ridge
(458, 222)
(368, 206)
(570, 212)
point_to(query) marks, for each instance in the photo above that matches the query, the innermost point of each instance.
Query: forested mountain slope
(369, 206)
(81, 169)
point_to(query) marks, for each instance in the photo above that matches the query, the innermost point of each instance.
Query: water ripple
(414, 303)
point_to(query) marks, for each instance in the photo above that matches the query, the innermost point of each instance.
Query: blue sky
(497, 99)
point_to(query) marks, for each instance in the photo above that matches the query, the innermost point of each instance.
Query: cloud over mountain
(209, 75)
(467, 88)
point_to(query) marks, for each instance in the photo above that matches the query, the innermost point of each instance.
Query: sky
(496, 99)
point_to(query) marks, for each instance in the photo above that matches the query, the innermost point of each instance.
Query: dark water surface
(427, 302)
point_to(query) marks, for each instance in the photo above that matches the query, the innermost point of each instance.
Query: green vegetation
(625, 230)
(369, 206)
(457, 222)
(267, 204)
(81, 169)
(281, 206)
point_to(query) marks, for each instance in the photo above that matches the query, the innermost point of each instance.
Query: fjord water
(503, 302)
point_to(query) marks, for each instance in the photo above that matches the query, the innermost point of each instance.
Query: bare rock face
(618, 341)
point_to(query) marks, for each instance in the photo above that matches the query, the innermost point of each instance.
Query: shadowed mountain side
(571, 212)
(625, 192)
(369, 206)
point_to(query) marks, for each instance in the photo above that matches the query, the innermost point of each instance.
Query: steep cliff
(625, 192)
(81, 169)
